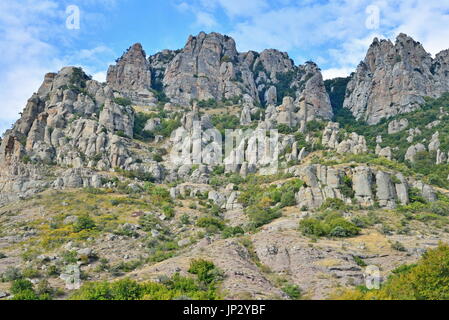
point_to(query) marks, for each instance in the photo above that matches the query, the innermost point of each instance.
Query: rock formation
(209, 67)
(132, 72)
(394, 79)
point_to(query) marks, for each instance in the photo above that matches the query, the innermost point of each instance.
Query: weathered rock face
(396, 126)
(205, 69)
(72, 122)
(394, 79)
(132, 72)
(369, 186)
(209, 67)
(352, 143)
(117, 118)
(412, 151)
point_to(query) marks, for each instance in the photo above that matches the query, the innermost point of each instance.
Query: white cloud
(204, 19)
(336, 73)
(334, 31)
(425, 21)
(32, 42)
(236, 8)
(26, 55)
(99, 76)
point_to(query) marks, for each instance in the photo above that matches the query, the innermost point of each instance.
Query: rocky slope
(101, 175)
(394, 78)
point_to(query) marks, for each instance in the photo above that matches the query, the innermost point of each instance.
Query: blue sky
(34, 38)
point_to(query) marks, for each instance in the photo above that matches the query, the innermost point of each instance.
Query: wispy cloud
(32, 42)
(335, 32)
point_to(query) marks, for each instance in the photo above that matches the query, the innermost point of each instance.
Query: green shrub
(84, 222)
(30, 273)
(288, 199)
(185, 220)
(139, 175)
(150, 222)
(440, 208)
(69, 257)
(20, 285)
(261, 215)
(426, 280)
(330, 225)
(211, 224)
(341, 228)
(333, 203)
(398, 246)
(175, 287)
(359, 261)
(26, 295)
(313, 227)
(11, 274)
(346, 188)
(125, 102)
(230, 232)
(293, 291)
(168, 211)
(205, 271)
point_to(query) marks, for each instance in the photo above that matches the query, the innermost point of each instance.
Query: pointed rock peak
(135, 51)
(132, 71)
(137, 47)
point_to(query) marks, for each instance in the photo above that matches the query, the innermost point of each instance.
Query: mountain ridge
(129, 178)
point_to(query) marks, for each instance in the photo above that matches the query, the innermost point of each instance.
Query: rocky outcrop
(435, 143)
(394, 79)
(352, 143)
(412, 151)
(205, 69)
(330, 135)
(369, 186)
(397, 126)
(209, 67)
(72, 122)
(115, 118)
(384, 152)
(132, 72)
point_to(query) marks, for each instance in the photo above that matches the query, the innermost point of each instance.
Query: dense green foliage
(425, 161)
(336, 88)
(225, 122)
(262, 203)
(203, 287)
(328, 224)
(23, 289)
(165, 128)
(426, 280)
(283, 86)
(84, 222)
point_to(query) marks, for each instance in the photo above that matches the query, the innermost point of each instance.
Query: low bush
(84, 222)
(329, 225)
(426, 280)
(203, 287)
(211, 224)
